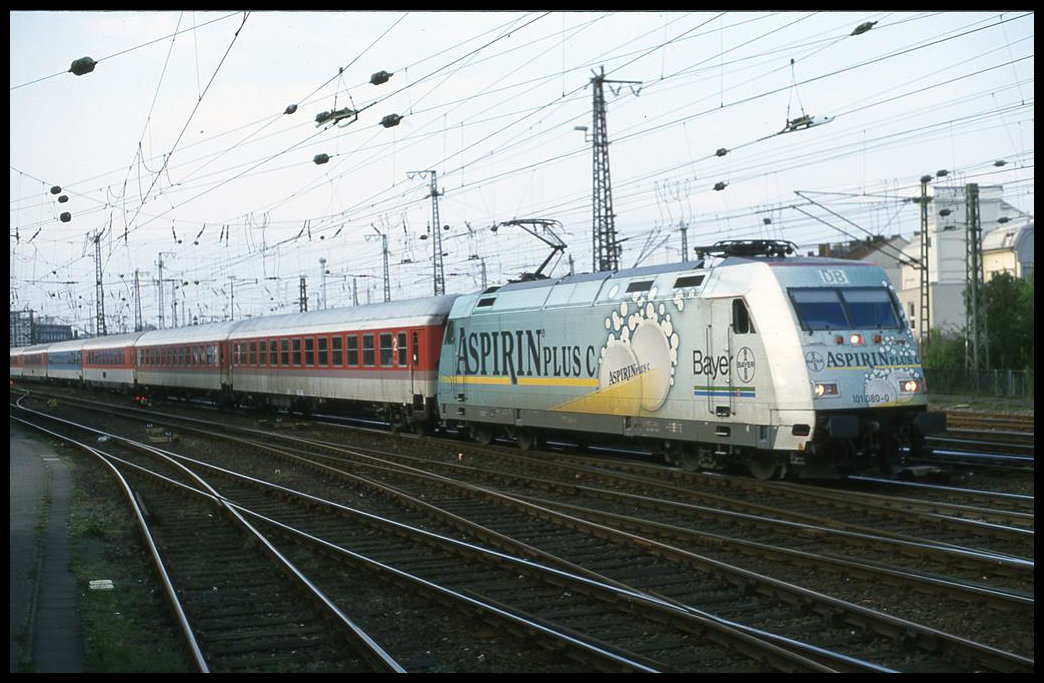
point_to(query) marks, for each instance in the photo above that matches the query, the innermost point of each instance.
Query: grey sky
(178, 145)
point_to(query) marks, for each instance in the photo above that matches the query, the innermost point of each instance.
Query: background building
(1006, 246)
(28, 329)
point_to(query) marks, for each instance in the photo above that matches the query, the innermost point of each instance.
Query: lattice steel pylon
(606, 246)
(924, 322)
(976, 350)
(439, 275)
(99, 290)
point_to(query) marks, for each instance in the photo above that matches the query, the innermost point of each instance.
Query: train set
(749, 357)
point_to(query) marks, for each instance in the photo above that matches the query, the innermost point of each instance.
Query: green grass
(988, 404)
(129, 629)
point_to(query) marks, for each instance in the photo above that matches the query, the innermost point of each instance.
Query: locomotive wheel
(527, 440)
(763, 465)
(482, 435)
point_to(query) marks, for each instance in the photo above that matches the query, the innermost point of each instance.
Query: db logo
(833, 276)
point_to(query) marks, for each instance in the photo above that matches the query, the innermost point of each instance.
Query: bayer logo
(745, 364)
(814, 361)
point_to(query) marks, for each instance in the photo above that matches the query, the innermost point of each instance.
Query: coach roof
(407, 312)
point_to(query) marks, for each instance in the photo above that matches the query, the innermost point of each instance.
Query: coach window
(367, 346)
(284, 360)
(386, 349)
(253, 353)
(273, 353)
(309, 347)
(741, 323)
(297, 351)
(402, 349)
(353, 350)
(335, 348)
(211, 355)
(324, 354)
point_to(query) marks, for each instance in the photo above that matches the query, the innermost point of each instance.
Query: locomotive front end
(863, 369)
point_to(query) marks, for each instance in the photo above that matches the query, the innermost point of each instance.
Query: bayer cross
(745, 364)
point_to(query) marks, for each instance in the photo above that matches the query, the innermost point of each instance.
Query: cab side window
(741, 322)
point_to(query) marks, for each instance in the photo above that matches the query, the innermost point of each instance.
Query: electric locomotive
(750, 356)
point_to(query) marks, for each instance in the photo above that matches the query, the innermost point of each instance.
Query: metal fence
(1001, 383)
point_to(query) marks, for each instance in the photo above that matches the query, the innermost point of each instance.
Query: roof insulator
(1003, 219)
(721, 152)
(380, 77)
(321, 158)
(83, 65)
(391, 120)
(942, 173)
(64, 198)
(66, 217)
(291, 109)
(1000, 162)
(863, 28)
(720, 185)
(945, 212)
(56, 189)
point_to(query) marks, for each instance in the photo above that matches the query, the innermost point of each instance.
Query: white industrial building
(1006, 247)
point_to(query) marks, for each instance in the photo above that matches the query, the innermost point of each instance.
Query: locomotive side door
(714, 370)
(449, 364)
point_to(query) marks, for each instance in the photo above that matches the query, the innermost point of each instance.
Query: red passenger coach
(382, 358)
(33, 363)
(108, 362)
(17, 363)
(185, 361)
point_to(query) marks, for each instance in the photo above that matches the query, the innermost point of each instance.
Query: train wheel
(763, 465)
(482, 435)
(527, 440)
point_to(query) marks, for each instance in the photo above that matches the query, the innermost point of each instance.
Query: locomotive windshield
(847, 308)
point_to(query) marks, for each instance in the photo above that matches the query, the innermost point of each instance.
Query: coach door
(416, 386)
(225, 362)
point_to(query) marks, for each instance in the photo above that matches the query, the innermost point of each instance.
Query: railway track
(241, 605)
(473, 505)
(421, 559)
(961, 419)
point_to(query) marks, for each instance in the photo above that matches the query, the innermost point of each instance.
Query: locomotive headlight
(825, 389)
(909, 386)
(856, 340)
